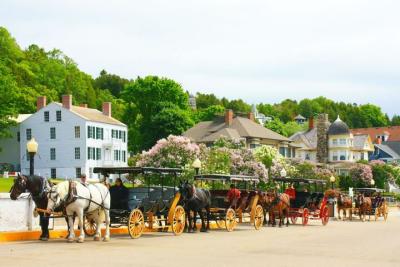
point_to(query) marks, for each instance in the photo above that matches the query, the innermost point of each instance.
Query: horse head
(270, 196)
(186, 189)
(56, 195)
(20, 185)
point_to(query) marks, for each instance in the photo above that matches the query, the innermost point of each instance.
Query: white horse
(92, 201)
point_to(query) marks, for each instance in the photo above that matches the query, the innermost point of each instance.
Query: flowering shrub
(266, 155)
(361, 173)
(172, 152)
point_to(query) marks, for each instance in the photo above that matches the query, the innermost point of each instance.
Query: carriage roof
(226, 177)
(137, 170)
(300, 180)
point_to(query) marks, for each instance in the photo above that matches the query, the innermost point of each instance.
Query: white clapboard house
(72, 139)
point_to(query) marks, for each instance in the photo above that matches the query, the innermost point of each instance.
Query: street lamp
(372, 182)
(283, 173)
(32, 147)
(332, 179)
(196, 165)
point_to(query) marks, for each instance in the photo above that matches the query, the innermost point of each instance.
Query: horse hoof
(70, 239)
(106, 239)
(96, 238)
(81, 240)
(203, 230)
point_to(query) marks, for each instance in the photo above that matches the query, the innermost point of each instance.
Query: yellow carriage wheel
(230, 220)
(258, 217)
(179, 219)
(89, 226)
(136, 223)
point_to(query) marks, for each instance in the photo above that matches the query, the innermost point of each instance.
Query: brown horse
(364, 205)
(280, 204)
(344, 203)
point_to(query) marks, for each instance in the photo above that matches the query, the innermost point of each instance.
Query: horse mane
(62, 189)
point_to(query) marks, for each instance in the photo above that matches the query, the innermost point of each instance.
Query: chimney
(311, 123)
(228, 117)
(67, 101)
(107, 109)
(83, 105)
(41, 102)
(322, 138)
(250, 116)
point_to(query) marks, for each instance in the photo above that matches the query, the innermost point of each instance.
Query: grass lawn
(5, 184)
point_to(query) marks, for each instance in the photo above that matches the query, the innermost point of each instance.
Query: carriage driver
(291, 192)
(233, 196)
(83, 179)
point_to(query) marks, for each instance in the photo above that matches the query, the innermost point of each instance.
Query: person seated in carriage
(378, 200)
(119, 195)
(233, 196)
(291, 192)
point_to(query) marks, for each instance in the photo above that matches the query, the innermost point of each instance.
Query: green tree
(149, 96)
(204, 101)
(210, 113)
(238, 105)
(372, 116)
(395, 120)
(277, 126)
(111, 82)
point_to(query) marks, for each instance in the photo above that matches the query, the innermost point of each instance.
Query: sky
(260, 51)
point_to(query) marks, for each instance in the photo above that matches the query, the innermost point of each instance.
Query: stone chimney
(107, 109)
(322, 138)
(250, 116)
(41, 102)
(228, 117)
(67, 101)
(83, 105)
(311, 123)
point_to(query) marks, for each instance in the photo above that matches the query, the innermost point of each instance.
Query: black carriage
(310, 203)
(247, 208)
(146, 208)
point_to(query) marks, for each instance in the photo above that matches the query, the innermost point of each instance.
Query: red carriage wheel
(325, 216)
(306, 213)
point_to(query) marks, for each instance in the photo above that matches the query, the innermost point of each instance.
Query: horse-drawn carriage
(307, 205)
(246, 209)
(150, 207)
(368, 201)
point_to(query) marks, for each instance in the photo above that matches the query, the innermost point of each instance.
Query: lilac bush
(361, 172)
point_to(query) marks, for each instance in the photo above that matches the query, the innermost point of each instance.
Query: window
(91, 153)
(334, 142)
(252, 146)
(112, 133)
(46, 116)
(282, 151)
(53, 173)
(335, 156)
(124, 156)
(362, 156)
(58, 115)
(89, 132)
(28, 134)
(342, 155)
(52, 133)
(117, 155)
(98, 153)
(77, 132)
(119, 134)
(343, 142)
(124, 136)
(52, 154)
(77, 153)
(307, 156)
(99, 133)
(18, 136)
(78, 172)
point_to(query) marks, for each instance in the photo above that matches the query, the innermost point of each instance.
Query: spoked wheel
(306, 213)
(258, 217)
(220, 223)
(179, 219)
(325, 216)
(89, 226)
(136, 223)
(230, 220)
(293, 219)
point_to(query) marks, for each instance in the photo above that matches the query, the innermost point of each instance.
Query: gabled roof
(299, 117)
(392, 131)
(210, 131)
(359, 141)
(308, 138)
(388, 150)
(21, 117)
(91, 114)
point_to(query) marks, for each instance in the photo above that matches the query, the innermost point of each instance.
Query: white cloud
(257, 50)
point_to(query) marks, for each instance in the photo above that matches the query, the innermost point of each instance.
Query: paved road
(338, 244)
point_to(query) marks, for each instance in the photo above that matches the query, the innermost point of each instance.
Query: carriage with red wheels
(247, 208)
(310, 203)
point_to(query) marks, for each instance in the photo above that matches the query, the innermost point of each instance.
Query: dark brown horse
(344, 203)
(38, 187)
(364, 205)
(277, 204)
